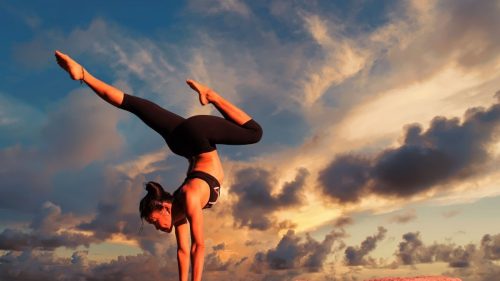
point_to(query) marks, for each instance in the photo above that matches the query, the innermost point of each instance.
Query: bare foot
(206, 94)
(74, 69)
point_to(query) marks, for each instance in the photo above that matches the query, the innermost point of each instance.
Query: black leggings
(194, 135)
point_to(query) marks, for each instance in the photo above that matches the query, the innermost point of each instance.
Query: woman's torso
(207, 162)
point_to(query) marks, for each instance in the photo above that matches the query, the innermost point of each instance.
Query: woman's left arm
(182, 237)
(195, 216)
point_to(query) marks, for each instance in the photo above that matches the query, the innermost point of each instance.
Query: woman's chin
(165, 229)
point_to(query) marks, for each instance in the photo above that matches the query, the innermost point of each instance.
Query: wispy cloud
(404, 217)
(221, 6)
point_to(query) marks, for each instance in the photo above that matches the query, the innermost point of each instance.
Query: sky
(379, 157)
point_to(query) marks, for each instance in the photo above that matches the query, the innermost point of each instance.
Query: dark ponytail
(154, 199)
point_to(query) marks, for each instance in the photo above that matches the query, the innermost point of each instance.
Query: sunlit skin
(185, 212)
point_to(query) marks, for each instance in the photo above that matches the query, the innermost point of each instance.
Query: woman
(195, 138)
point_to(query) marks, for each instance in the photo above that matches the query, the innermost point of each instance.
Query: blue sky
(379, 157)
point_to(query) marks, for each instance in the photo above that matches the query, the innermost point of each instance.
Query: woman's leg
(156, 117)
(107, 92)
(227, 109)
(237, 128)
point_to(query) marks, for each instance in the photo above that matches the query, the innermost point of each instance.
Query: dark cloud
(356, 255)
(46, 232)
(343, 221)
(218, 247)
(448, 150)
(46, 266)
(491, 246)
(112, 219)
(70, 141)
(286, 224)
(50, 229)
(139, 267)
(22, 174)
(405, 217)
(255, 204)
(12, 239)
(345, 178)
(213, 261)
(413, 251)
(117, 213)
(294, 253)
(63, 145)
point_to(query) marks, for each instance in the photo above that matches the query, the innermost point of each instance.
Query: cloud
(255, 204)
(491, 246)
(72, 137)
(447, 151)
(413, 251)
(75, 134)
(293, 253)
(343, 221)
(19, 122)
(220, 6)
(405, 217)
(345, 178)
(468, 25)
(451, 213)
(341, 58)
(47, 231)
(356, 255)
(450, 32)
(213, 261)
(22, 174)
(45, 266)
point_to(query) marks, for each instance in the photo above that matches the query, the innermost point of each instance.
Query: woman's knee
(256, 130)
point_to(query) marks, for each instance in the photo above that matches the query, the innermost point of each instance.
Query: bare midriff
(208, 162)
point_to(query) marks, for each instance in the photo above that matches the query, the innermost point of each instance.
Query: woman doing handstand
(194, 138)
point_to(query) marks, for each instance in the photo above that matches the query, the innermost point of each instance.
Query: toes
(59, 55)
(192, 85)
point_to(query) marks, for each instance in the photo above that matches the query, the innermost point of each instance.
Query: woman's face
(162, 218)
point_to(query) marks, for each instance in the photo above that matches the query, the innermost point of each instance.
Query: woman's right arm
(183, 249)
